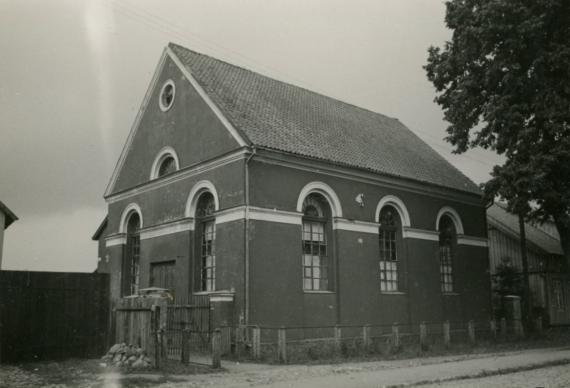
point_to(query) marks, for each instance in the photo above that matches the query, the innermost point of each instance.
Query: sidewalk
(374, 374)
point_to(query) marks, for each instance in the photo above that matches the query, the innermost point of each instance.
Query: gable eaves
(240, 138)
(126, 147)
(238, 135)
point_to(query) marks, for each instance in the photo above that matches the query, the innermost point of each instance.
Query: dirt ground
(551, 377)
(89, 373)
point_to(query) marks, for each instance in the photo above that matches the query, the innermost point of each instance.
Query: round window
(166, 98)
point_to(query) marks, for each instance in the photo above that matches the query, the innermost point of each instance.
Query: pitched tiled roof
(498, 216)
(276, 115)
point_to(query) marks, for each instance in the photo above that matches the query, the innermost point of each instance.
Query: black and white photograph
(284, 193)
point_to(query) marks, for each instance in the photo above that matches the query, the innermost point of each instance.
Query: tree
(503, 82)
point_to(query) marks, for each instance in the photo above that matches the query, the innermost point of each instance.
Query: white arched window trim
(163, 154)
(326, 191)
(198, 189)
(129, 210)
(396, 203)
(449, 211)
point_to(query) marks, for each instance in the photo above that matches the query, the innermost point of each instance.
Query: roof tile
(276, 115)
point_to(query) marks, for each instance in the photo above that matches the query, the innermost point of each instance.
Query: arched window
(205, 231)
(389, 236)
(132, 262)
(447, 243)
(167, 166)
(165, 162)
(316, 248)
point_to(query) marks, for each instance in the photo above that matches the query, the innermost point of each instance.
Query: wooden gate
(189, 330)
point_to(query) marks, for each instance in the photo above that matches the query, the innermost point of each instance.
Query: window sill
(451, 294)
(317, 292)
(392, 293)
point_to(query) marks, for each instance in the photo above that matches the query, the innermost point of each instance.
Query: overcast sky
(74, 72)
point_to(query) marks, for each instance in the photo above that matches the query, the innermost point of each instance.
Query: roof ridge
(171, 44)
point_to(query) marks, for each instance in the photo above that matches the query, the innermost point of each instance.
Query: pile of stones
(123, 355)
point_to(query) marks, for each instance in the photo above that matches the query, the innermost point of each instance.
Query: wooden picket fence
(254, 342)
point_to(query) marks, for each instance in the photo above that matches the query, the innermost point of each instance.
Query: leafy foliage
(503, 82)
(507, 280)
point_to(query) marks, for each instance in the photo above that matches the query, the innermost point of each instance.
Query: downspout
(246, 237)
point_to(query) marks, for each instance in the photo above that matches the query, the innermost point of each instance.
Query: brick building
(303, 209)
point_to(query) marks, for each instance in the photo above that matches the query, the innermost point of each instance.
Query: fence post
(446, 334)
(493, 328)
(185, 357)
(471, 331)
(337, 338)
(366, 339)
(423, 336)
(395, 336)
(281, 345)
(217, 349)
(538, 325)
(256, 342)
(503, 327)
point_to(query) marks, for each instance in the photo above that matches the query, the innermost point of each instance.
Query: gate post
(217, 349)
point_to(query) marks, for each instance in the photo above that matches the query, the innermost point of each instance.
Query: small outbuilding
(548, 273)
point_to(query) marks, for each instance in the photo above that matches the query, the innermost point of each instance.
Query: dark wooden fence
(51, 315)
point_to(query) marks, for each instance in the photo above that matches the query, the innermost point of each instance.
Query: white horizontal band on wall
(421, 234)
(355, 226)
(229, 215)
(274, 215)
(291, 218)
(472, 240)
(179, 175)
(183, 225)
(116, 239)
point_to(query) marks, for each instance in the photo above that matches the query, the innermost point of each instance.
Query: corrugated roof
(276, 115)
(497, 215)
(9, 215)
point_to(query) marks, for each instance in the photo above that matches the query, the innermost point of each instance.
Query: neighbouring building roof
(100, 229)
(275, 115)
(498, 216)
(10, 217)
